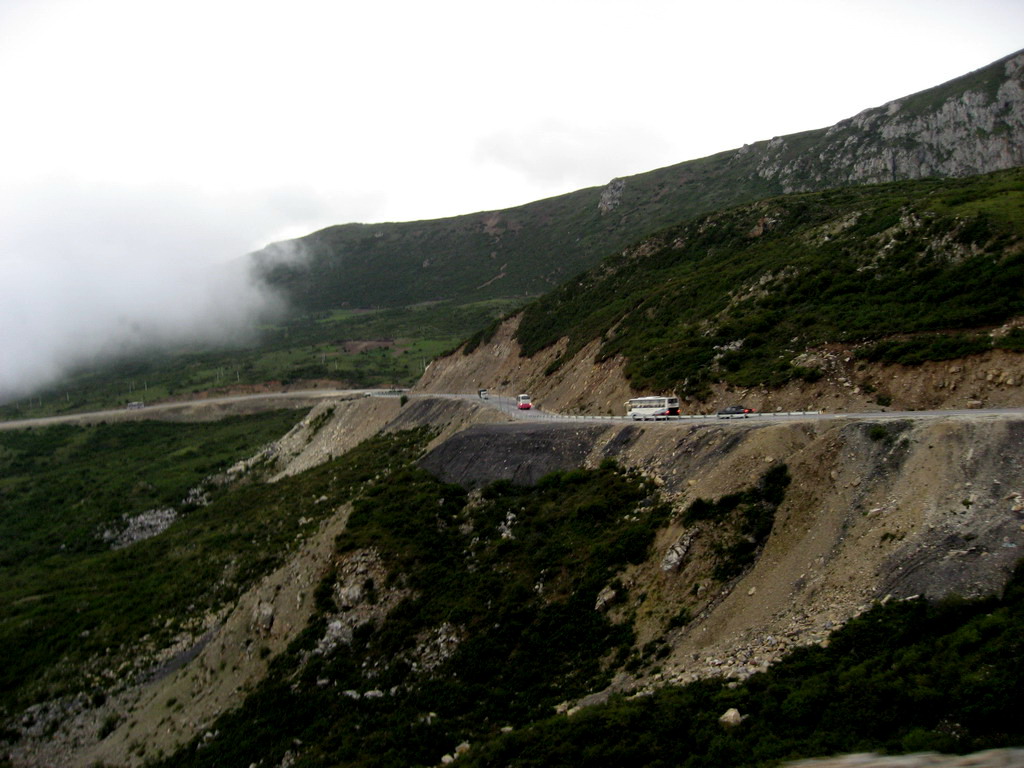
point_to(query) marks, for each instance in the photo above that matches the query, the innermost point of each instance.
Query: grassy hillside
(912, 270)
(70, 600)
(496, 625)
(414, 289)
(352, 348)
(908, 677)
(525, 251)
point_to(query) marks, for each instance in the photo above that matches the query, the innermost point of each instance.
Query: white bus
(641, 408)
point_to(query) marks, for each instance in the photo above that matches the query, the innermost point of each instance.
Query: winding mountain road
(508, 405)
(219, 407)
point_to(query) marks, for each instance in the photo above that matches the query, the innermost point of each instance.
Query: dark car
(735, 412)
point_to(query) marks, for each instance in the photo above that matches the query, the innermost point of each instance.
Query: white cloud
(557, 155)
(98, 272)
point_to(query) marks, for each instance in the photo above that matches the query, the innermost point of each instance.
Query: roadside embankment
(844, 381)
(875, 510)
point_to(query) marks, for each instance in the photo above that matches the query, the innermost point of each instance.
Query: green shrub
(1012, 341)
(810, 375)
(483, 336)
(743, 521)
(926, 348)
(877, 432)
(108, 726)
(680, 619)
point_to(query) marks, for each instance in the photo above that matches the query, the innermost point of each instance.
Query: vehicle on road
(524, 403)
(643, 408)
(735, 412)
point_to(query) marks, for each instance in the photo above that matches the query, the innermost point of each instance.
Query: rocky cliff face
(960, 134)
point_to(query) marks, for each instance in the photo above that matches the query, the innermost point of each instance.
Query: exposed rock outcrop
(139, 527)
(611, 195)
(965, 133)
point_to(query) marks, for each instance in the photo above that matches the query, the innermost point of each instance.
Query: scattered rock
(263, 618)
(140, 527)
(731, 718)
(605, 599)
(676, 554)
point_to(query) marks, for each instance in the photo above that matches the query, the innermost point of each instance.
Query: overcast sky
(144, 140)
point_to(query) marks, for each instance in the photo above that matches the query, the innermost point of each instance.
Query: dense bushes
(926, 348)
(515, 574)
(905, 677)
(1012, 341)
(742, 521)
(712, 300)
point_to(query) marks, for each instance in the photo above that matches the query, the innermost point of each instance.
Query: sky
(146, 146)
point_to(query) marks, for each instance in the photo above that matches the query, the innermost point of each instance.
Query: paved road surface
(507, 405)
(270, 400)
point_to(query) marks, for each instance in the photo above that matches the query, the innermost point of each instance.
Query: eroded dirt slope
(581, 385)
(875, 510)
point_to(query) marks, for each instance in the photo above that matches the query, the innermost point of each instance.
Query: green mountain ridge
(973, 124)
(430, 284)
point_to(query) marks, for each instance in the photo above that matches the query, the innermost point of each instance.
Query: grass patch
(71, 606)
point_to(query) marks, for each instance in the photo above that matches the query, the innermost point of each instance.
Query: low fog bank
(57, 317)
(91, 278)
